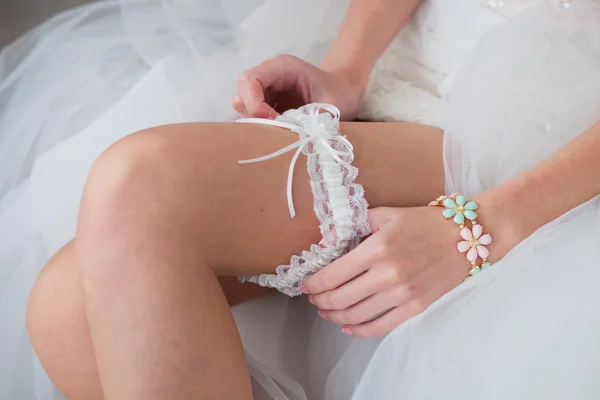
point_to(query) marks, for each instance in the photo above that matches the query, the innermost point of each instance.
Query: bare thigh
(240, 211)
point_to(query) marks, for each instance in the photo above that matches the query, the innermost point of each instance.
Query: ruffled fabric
(527, 328)
(90, 76)
(339, 201)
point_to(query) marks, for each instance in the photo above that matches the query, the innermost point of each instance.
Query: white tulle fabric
(508, 88)
(339, 202)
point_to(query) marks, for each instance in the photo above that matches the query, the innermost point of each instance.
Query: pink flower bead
(474, 243)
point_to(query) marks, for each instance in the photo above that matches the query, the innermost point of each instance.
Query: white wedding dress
(509, 82)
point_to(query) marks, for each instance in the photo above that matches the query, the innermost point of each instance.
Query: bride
(136, 304)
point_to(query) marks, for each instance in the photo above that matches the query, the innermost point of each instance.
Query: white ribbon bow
(316, 128)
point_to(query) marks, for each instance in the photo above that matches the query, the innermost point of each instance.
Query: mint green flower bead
(485, 265)
(471, 206)
(461, 200)
(470, 214)
(459, 218)
(449, 203)
(449, 212)
(475, 271)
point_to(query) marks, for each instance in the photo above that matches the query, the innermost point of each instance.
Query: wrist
(501, 215)
(353, 74)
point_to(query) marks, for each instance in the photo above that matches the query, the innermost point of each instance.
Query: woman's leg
(167, 209)
(59, 330)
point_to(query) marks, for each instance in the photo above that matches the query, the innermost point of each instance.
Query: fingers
(252, 92)
(357, 261)
(385, 280)
(279, 74)
(368, 309)
(351, 293)
(343, 269)
(238, 105)
(386, 322)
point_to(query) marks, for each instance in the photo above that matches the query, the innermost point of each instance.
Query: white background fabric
(525, 329)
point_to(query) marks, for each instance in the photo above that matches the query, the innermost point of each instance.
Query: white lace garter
(339, 202)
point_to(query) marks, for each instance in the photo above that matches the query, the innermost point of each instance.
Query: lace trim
(339, 202)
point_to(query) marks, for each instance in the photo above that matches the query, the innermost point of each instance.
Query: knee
(140, 192)
(58, 328)
(53, 304)
(125, 173)
(152, 175)
(122, 187)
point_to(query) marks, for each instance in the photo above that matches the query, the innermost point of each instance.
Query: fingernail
(311, 299)
(322, 314)
(346, 331)
(304, 290)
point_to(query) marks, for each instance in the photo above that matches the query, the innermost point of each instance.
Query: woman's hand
(286, 82)
(410, 261)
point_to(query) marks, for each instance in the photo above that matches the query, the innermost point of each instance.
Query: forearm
(368, 28)
(565, 180)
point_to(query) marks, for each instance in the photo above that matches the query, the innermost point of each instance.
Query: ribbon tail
(272, 155)
(271, 122)
(290, 200)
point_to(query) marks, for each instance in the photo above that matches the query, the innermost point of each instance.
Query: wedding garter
(339, 202)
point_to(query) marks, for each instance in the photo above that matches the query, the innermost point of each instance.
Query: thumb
(280, 74)
(381, 216)
(252, 94)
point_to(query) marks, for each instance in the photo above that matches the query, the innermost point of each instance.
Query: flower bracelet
(460, 210)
